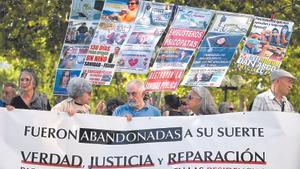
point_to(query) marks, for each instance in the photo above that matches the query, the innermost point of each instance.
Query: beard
(132, 103)
(8, 100)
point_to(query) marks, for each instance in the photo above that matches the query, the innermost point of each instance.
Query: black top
(38, 102)
(176, 113)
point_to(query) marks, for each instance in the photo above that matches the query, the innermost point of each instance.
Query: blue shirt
(2, 104)
(146, 111)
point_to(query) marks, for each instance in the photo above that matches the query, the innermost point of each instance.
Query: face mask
(253, 41)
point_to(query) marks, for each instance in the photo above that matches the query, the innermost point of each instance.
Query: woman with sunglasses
(29, 98)
(79, 91)
(200, 101)
(127, 15)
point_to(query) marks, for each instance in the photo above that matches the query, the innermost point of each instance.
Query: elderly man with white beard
(136, 106)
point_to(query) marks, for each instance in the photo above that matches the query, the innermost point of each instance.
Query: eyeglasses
(131, 3)
(231, 109)
(189, 97)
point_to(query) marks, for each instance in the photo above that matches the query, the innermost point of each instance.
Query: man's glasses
(231, 109)
(132, 3)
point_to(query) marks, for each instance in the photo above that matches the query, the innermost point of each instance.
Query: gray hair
(32, 75)
(224, 107)
(77, 87)
(137, 83)
(207, 104)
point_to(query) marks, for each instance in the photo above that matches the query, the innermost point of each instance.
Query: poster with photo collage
(151, 22)
(265, 46)
(217, 49)
(182, 39)
(83, 20)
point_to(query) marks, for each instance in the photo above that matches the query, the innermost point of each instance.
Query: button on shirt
(266, 102)
(146, 111)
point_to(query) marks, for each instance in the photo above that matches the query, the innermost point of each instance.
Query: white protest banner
(252, 140)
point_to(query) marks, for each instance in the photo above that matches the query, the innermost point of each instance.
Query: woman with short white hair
(200, 101)
(79, 91)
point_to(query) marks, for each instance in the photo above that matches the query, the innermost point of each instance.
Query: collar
(70, 99)
(35, 96)
(271, 96)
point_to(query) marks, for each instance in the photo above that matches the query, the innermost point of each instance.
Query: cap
(275, 74)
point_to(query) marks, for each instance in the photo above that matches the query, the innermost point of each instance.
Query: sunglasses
(231, 109)
(132, 3)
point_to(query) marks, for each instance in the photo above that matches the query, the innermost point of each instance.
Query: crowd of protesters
(198, 101)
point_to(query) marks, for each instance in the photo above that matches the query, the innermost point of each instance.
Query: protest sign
(265, 46)
(217, 49)
(183, 37)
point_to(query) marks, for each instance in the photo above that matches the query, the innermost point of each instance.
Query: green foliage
(32, 34)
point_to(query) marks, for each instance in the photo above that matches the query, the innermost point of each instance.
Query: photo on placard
(231, 23)
(155, 14)
(80, 32)
(120, 10)
(144, 36)
(140, 38)
(114, 54)
(111, 33)
(62, 79)
(221, 40)
(188, 17)
(273, 32)
(72, 57)
(256, 45)
(172, 58)
(86, 9)
(205, 76)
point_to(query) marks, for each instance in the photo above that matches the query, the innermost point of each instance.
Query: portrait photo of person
(113, 57)
(284, 36)
(221, 40)
(64, 79)
(68, 59)
(252, 44)
(126, 15)
(183, 56)
(275, 39)
(140, 38)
